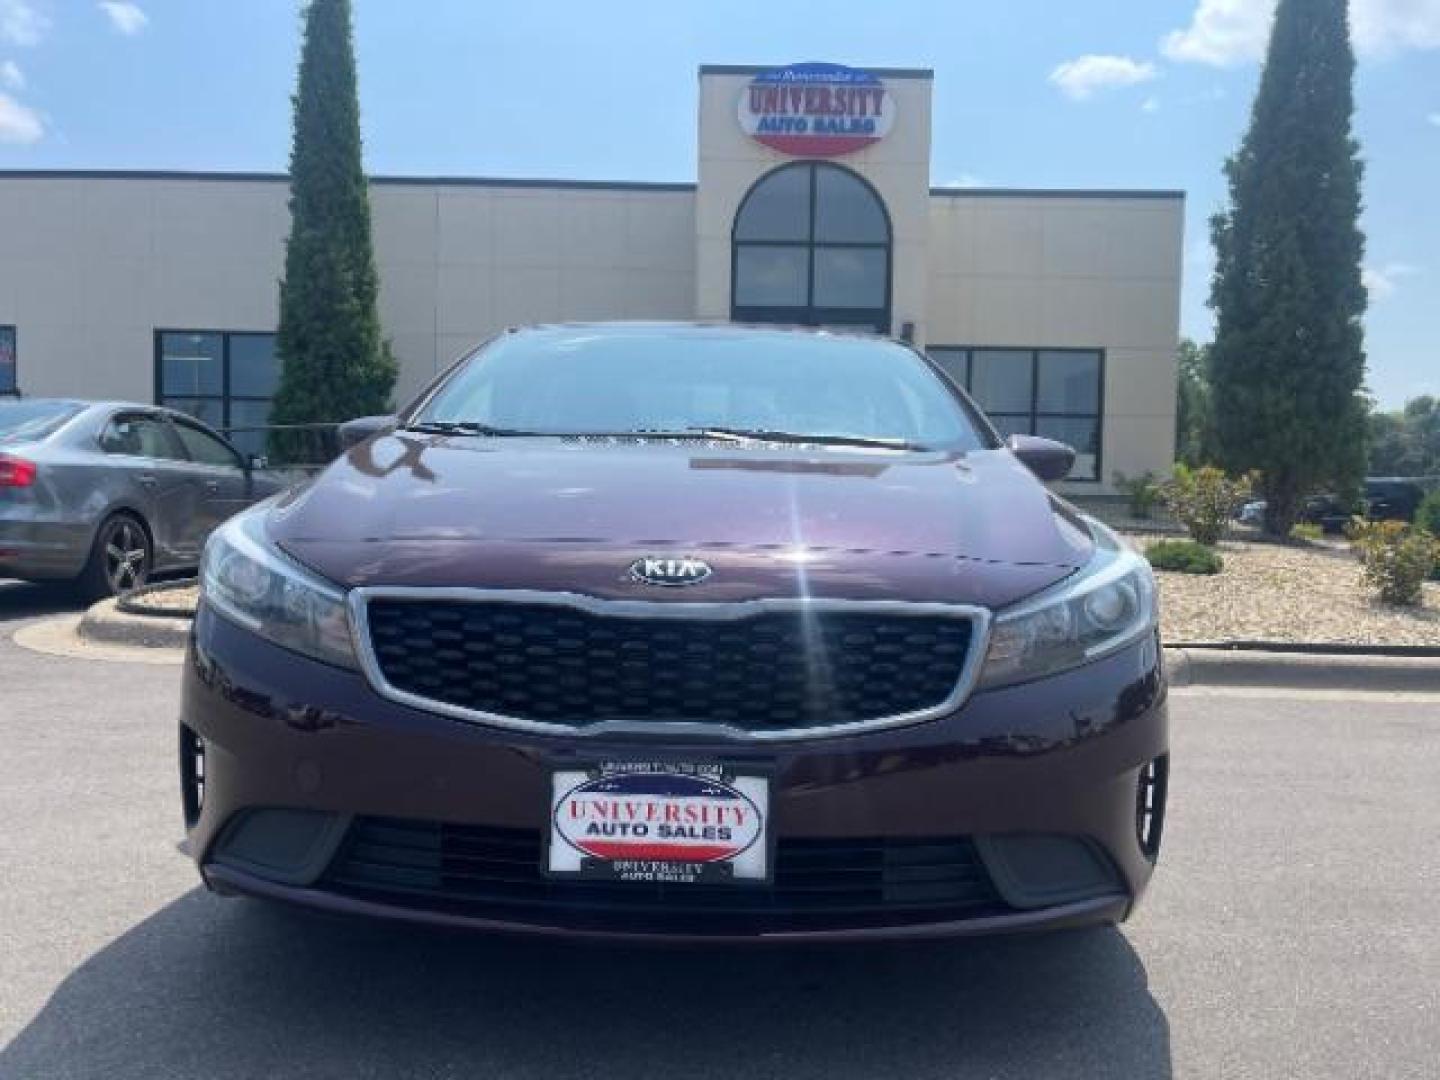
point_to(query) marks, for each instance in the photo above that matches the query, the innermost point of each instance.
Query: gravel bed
(178, 599)
(1287, 593)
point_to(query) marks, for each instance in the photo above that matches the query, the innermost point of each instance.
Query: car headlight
(1107, 605)
(246, 578)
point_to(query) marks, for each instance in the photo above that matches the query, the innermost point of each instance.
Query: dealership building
(812, 204)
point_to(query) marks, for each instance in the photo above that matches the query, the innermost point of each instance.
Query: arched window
(811, 245)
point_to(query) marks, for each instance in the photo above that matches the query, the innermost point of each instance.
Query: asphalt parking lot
(1292, 931)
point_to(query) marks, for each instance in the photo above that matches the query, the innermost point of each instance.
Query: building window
(811, 245)
(9, 376)
(1051, 392)
(226, 379)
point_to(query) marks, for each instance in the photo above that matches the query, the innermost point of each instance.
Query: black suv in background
(1385, 499)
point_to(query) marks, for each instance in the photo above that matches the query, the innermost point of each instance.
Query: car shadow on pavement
(28, 600)
(232, 988)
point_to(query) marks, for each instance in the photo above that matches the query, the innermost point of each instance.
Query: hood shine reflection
(410, 509)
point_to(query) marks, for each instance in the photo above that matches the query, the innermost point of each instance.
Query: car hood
(572, 515)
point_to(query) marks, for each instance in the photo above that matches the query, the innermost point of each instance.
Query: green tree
(335, 364)
(1406, 442)
(1192, 407)
(1288, 361)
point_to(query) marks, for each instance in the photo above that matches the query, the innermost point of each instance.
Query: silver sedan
(109, 493)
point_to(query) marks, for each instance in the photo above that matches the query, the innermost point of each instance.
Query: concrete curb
(105, 624)
(59, 636)
(1302, 670)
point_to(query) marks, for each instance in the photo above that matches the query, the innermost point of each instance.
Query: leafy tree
(1406, 442)
(335, 364)
(1192, 412)
(1288, 360)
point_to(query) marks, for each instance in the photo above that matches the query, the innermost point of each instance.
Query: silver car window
(204, 448)
(137, 436)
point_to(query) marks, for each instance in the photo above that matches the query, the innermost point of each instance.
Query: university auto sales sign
(816, 110)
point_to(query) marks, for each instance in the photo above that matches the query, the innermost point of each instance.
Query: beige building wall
(460, 262)
(93, 266)
(1099, 271)
(730, 162)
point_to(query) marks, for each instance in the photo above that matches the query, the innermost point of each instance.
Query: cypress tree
(1288, 362)
(334, 363)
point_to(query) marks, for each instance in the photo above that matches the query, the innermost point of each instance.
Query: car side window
(204, 448)
(137, 436)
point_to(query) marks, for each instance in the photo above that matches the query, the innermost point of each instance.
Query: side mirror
(256, 462)
(354, 432)
(1046, 458)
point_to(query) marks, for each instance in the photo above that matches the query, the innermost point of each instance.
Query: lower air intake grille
(818, 884)
(765, 671)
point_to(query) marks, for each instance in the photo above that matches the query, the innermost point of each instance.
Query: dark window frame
(1036, 414)
(13, 390)
(225, 397)
(808, 314)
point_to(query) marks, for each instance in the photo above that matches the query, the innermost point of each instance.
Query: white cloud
(125, 16)
(1226, 32)
(1150, 105)
(22, 23)
(1383, 26)
(965, 179)
(11, 77)
(1382, 282)
(19, 124)
(1221, 32)
(1083, 77)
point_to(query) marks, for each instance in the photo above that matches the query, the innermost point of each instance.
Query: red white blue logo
(816, 110)
(658, 816)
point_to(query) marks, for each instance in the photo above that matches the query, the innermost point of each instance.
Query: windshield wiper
(772, 435)
(464, 427)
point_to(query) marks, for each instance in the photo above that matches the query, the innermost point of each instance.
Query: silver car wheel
(127, 556)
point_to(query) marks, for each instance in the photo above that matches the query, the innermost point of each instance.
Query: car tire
(120, 559)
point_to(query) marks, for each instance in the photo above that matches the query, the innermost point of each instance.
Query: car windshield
(721, 382)
(24, 421)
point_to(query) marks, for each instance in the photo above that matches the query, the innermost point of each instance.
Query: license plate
(659, 822)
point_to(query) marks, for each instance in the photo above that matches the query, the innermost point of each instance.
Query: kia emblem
(670, 571)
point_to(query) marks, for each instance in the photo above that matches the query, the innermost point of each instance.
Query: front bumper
(1056, 762)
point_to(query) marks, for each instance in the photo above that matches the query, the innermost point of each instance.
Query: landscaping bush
(1427, 517)
(1185, 556)
(1204, 500)
(1307, 531)
(1395, 558)
(1141, 493)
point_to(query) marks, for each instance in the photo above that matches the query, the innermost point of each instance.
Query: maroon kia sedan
(680, 631)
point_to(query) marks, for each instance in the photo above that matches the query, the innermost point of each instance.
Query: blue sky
(1038, 93)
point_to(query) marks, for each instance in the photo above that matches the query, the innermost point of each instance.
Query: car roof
(84, 403)
(107, 406)
(685, 328)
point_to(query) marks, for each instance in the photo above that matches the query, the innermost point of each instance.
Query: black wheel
(121, 558)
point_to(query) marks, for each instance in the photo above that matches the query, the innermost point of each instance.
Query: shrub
(1186, 556)
(1427, 516)
(1395, 558)
(1204, 500)
(1141, 493)
(1306, 531)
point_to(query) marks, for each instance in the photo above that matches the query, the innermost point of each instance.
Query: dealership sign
(816, 110)
(658, 823)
